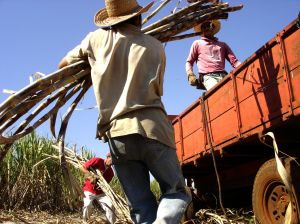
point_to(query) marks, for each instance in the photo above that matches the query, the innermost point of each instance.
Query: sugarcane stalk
(47, 102)
(169, 36)
(18, 134)
(24, 107)
(121, 207)
(184, 36)
(173, 17)
(41, 83)
(155, 11)
(68, 177)
(60, 102)
(47, 89)
(9, 120)
(213, 1)
(232, 8)
(188, 24)
(182, 27)
(177, 5)
(164, 33)
(19, 109)
(22, 133)
(173, 24)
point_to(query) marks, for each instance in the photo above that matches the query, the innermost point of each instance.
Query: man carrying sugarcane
(92, 191)
(210, 55)
(127, 69)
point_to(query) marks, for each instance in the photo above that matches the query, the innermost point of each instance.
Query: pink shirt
(210, 55)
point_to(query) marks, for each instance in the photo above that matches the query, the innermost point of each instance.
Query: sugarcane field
(221, 88)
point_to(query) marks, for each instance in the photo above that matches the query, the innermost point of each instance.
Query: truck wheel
(270, 197)
(189, 212)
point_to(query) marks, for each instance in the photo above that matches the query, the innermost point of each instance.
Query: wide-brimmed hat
(118, 11)
(215, 26)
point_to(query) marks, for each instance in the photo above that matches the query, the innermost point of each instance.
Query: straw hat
(117, 11)
(214, 27)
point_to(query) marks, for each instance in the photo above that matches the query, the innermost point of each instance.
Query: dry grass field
(32, 190)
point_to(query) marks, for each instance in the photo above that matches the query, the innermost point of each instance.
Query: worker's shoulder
(100, 31)
(216, 40)
(95, 34)
(152, 41)
(197, 41)
(151, 38)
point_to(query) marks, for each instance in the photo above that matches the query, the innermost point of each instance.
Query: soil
(24, 217)
(207, 216)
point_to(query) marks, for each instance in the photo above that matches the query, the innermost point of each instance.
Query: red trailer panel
(261, 95)
(264, 91)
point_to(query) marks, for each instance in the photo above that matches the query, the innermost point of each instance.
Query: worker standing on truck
(210, 55)
(127, 69)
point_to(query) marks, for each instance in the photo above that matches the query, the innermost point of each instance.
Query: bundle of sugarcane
(65, 83)
(56, 88)
(121, 208)
(198, 12)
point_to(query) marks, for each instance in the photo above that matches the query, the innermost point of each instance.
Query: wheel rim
(275, 202)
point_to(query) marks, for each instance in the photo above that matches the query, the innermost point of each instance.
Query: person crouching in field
(92, 191)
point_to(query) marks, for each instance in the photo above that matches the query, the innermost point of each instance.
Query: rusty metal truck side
(261, 95)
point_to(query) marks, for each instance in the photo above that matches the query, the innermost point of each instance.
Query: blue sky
(36, 34)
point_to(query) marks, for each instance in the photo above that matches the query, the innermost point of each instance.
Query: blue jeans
(133, 157)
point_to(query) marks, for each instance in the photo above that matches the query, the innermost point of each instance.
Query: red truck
(223, 131)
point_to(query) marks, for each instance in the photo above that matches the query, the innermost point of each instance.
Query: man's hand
(92, 177)
(193, 81)
(63, 63)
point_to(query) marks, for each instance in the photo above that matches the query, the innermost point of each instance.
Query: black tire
(270, 197)
(189, 212)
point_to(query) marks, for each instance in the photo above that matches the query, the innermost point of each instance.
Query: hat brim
(217, 27)
(102, 19)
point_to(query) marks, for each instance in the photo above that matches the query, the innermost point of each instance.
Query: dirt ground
(24, 217)
(203, 216)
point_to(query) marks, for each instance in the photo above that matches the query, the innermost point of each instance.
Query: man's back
(127, 72)
(127, 69)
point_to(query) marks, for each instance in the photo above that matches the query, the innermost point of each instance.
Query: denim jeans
(133, 157)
